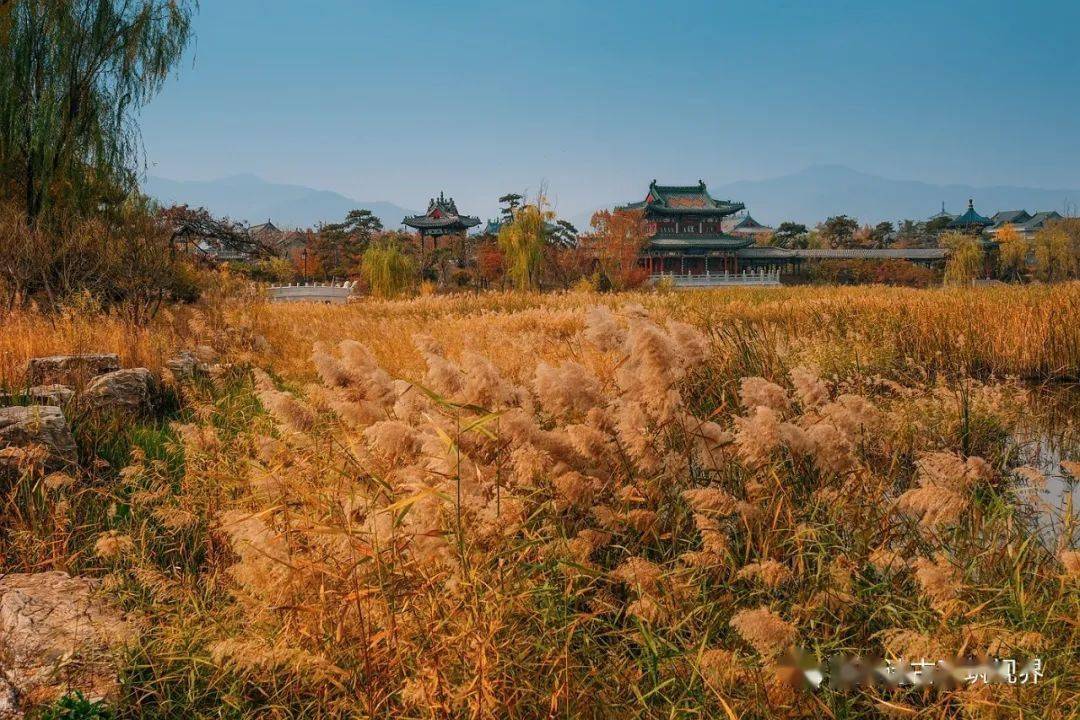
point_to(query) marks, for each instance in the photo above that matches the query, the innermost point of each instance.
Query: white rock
(57, 635)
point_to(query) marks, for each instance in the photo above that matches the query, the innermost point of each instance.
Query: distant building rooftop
(942, 215)
(683, 200)
(442, 218)
(971, 219)
(746, 225)
(874, 254)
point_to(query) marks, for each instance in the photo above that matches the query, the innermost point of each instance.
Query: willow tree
(73, 75)
(965, 258)
(1057, 251)
(1013, 253)
(522, 242)
(386, 267)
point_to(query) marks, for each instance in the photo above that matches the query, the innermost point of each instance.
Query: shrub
(388, 270)
(865, 272)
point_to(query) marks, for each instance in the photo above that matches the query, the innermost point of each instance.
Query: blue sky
(398, 100)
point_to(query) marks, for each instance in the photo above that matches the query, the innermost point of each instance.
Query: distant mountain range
(808, 196)
(821, 191)
(254, 200)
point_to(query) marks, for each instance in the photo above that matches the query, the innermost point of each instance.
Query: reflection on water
(1048, 434)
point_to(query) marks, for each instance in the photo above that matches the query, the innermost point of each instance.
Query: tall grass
(1029, 332)
(576, 505)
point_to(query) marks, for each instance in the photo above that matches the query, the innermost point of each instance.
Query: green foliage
(937, 225)
(563, 234)
(73, 75)
(512, 202)
(838, 230)
(385, 266)
(523, 240)
(339, 246)
(882, 234)
(790, 235)
(75, 706)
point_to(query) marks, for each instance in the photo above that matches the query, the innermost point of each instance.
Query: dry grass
(580, 505)
(979, 331)
(27, 334)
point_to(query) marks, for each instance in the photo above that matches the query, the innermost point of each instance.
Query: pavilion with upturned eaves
(442, 219)
(688, 237)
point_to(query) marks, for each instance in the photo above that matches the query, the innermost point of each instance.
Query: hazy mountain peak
(241, 179)
(819, 191)
(832, 170)
(248, 198)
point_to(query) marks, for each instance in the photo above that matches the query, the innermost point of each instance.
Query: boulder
(186, 364)
(58, 395)
(121, 390)
(206, 354)
(56, 636)
(73, 370)
(183, 365)
(45, 426)
(51, 394)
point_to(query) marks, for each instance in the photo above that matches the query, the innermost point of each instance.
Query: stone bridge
(328, 293)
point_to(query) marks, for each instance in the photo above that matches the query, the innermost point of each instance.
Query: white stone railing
(758, 278)
(333, 293)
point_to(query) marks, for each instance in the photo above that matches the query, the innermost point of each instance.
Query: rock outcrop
(56, 636)
(127, 390)
(73, 370)
(186, 364)
(45, 426)
(58, 395)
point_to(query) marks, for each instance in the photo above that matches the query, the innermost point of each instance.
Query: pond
(1045, 436)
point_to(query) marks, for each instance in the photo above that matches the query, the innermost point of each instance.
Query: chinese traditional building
(1037, 222)
(943, 216)
(688, 236)
(442, 219)
(971, 221)
(746, 226)
(1007, 218)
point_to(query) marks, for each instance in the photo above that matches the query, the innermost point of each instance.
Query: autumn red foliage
(616, 243)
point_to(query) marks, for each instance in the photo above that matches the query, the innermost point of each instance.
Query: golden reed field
(577, 505)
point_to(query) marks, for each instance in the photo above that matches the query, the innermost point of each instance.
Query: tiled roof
(681, 199)
(746, 226)
(971, 218)
(765, 252)
(711, 242)
(687, 201)
(1006, 217)
(873, 254)
(442, 213)
(264, 228)
(1039, 220)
